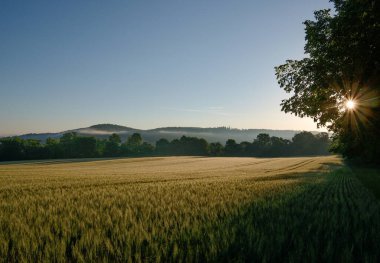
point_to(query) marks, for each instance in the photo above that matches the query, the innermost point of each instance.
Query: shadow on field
(369, 177)
(281, 177)
(333, 165)
(336, 220)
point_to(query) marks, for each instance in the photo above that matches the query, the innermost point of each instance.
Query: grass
(184, 209)
(370, 177)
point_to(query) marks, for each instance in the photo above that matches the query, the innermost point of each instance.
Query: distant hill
(110, 128)
(218, 134)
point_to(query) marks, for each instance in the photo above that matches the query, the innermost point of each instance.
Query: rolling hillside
(219, 134)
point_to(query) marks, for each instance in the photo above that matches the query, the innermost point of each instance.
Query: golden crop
(184, 209)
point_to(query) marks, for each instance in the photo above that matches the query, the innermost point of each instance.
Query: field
(187, 209)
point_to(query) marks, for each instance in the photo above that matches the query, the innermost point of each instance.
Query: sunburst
(350, 104)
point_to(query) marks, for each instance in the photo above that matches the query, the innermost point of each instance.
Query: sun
(350, 104)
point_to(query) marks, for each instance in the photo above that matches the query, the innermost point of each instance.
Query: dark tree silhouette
(163, 147)
(133, 144)
(232, 148)
(112, 146)
(343, 64)
(216, 149)
(70, 145)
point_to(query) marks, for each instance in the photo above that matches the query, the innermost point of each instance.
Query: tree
(53, 148)
(193, 146)
(245, 148)
(232, 148)
(112, 146)
(215, 149)
(115, 138)
(261, 145)
(146, 149)
(84, 147)
(11, 149)
(176, 147)
(322, 144)
(263, 139)
(33, 149)
(163, 147)
(342, 64)
(279, 146)
(133, 143)
(304, 143)
(67, 142)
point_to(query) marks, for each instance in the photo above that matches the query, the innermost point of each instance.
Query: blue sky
(147, 64)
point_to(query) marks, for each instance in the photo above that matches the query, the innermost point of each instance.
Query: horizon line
(209, 127)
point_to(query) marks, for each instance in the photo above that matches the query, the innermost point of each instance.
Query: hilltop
(216, 134)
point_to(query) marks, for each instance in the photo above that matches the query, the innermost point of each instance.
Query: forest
(72, 145)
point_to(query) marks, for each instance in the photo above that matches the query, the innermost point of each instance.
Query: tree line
(72, 145)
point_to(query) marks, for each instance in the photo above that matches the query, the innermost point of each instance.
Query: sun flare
(350, 104)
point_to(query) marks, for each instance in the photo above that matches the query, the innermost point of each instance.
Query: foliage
(133, 143)
(112, 146)
(163, 147)
(70, 145)
(186, 210)
(232, 148)
(342, 64)
(215, 149)
(370, 178)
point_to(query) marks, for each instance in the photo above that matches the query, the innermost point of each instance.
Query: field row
(186, 209)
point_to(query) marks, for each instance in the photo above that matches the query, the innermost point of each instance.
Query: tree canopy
(71, 145)
(341, 65)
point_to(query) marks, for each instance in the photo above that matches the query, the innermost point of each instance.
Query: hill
(218, 134)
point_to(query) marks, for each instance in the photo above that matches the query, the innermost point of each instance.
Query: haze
(71, 64)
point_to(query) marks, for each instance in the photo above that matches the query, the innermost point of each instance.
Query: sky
(148, 64)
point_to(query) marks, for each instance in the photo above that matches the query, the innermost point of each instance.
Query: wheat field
(186, 209)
